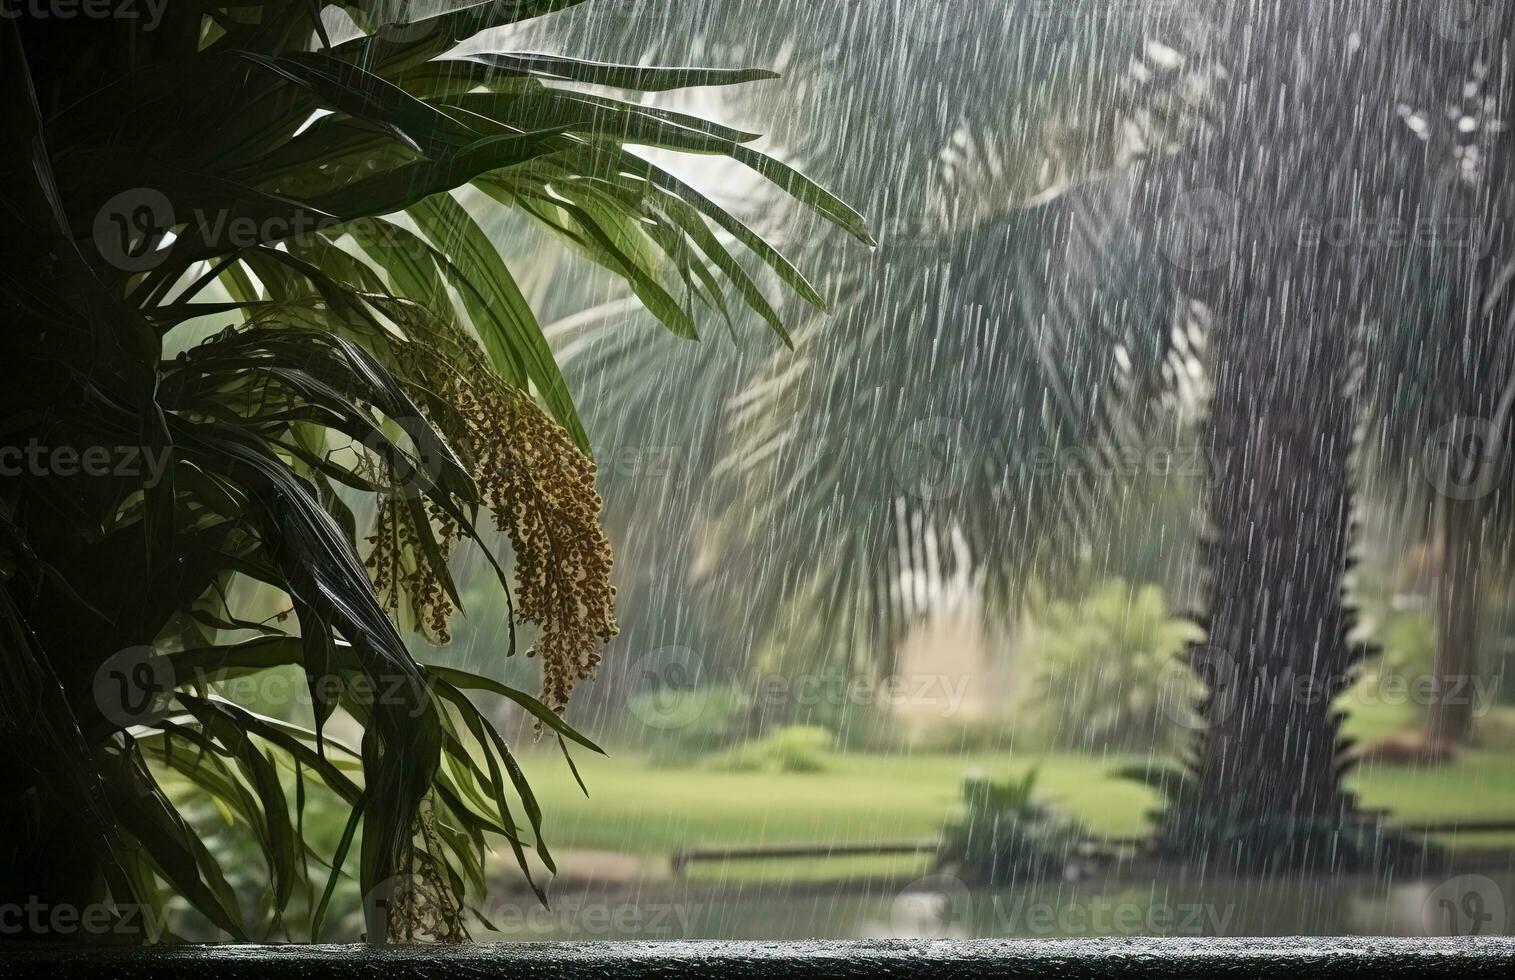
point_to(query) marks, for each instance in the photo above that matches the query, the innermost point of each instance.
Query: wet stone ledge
(1380, 959)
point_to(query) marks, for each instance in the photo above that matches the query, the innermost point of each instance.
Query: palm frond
(257, 256)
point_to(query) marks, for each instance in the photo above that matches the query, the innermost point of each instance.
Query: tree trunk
(1450, 715)
(1309, 153)
(1280, 436)
(1291, 146)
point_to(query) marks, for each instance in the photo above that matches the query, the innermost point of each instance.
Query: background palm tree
(1439, 367)
(1279, 435)
(948, 138)
(1313, 135)
(242, 261)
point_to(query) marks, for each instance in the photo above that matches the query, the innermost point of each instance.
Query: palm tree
(989, 122)
(1310, 139)
(246, 303)
(1440, 368)
(1279, 441)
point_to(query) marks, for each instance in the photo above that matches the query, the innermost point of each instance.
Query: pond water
(941, 907)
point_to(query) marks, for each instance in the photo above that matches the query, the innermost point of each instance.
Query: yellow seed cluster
(540, 488)
(424, 907)
(399, 567)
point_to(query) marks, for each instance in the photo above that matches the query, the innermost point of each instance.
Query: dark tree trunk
(1315, 166)
(1281, 442)
(1298, 124)
(1451, 713)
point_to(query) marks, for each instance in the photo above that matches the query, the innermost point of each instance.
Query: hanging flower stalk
(540, 488)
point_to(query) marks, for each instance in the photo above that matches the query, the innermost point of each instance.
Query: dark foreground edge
(1380, 959)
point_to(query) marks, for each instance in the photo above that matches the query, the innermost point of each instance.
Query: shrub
(796, 748)
(1109, 673)
(1001, 831)
(867, 728)
(1408, 638)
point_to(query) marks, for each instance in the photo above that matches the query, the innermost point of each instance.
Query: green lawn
(641, 810)
(637, 809)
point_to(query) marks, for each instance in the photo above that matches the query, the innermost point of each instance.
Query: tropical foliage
(1004, 831)
(244, 261)
(934, 366)
(1187, 250)
(793, 748)
(1108, 673)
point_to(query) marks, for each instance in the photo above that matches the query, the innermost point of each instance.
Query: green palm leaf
(306, 189)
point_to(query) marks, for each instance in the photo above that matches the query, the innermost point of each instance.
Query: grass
(638, 809)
